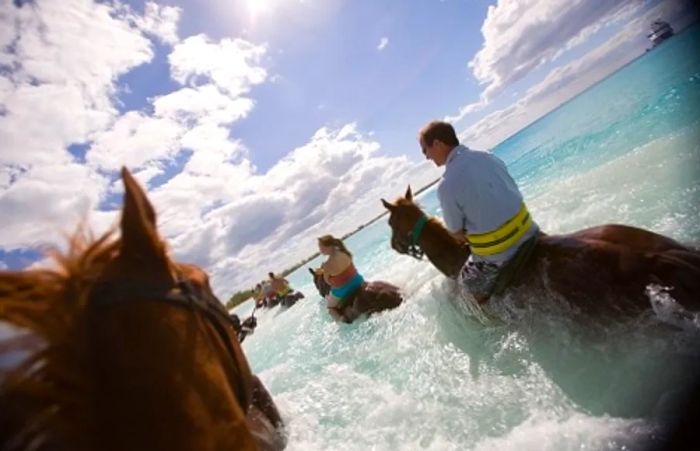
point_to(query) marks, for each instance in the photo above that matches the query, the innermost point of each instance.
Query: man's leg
(479, 278)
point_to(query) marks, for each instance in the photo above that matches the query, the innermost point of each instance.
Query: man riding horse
(480, 202)
(492, 244)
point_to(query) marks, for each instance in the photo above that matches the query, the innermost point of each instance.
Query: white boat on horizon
(660, 31)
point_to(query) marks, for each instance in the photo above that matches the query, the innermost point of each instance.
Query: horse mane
(50, 387)
(79, 371)
(435, 222)
(26, 295)
(46, 308)
(447, 251)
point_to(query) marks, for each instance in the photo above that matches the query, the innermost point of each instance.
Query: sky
(258, 125)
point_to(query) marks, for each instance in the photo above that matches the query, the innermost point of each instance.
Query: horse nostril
(398, 246)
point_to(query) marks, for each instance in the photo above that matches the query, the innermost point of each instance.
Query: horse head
(405, 220)
(415, 234)
(321, 285)
(136, 351)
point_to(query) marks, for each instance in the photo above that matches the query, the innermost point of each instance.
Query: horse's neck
(443, 250)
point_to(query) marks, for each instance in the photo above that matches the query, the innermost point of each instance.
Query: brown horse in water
(603, 270)
(372, 297)
(124, 348)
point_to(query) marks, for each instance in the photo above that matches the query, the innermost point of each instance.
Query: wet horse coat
(370, 298)
(124, 348)
(603, 270)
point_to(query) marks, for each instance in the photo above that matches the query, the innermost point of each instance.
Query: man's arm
(460, 236)
(452, 213)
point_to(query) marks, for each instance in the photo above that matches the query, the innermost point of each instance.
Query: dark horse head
(124, 348)
(320, 283)
(405, 220)
(414, 233)
(245, 327)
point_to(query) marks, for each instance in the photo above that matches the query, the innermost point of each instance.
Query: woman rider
(340, 273)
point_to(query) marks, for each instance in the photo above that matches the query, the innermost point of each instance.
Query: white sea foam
(670, 311)
(428, 375)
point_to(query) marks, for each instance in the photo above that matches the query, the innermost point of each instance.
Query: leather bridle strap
(182, 294)
(412, 247)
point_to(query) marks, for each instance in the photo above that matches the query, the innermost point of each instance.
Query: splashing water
(670, 311)
(527, 373)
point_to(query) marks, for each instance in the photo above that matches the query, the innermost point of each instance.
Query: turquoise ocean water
(429, 376)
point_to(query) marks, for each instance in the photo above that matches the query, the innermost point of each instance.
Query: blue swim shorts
(479, 277)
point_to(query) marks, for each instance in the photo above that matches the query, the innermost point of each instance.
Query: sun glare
(259, 8)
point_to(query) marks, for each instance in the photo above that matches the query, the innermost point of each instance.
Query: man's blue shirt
(477, 195)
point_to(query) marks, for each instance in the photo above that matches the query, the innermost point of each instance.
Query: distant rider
(340, 273)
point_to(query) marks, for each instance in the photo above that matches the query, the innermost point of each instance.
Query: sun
(259, 8)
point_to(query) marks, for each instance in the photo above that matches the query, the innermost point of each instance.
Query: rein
(414, 249)
(182, 294)
(246, 329)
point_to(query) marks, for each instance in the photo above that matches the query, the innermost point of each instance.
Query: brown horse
(372, 297)
(123, 348)
(603, 270)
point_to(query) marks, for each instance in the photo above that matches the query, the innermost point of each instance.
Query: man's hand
(460, 236)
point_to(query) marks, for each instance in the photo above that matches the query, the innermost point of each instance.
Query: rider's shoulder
(337, 262)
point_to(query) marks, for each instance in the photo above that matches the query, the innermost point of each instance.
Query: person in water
(258, 296)
(267, 293)
(280, 285)
(340, 273)
(481, 202)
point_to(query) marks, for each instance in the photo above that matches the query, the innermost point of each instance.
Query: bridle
(184, 294)
(409, 244)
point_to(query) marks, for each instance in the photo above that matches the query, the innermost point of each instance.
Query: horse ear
(311, 270)
(388, 205)
(409, 194)
(140, 238)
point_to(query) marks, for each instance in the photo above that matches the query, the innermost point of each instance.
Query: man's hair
(271, 274)
(438, 130)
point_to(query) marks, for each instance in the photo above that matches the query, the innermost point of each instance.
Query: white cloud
(134, 140)
(564, 82)
(520, 35)
(467, 109)
(219, 210)
(46, 202)
(383, 42)
(270, 220)
(233, 64)
(160, 21)
(56, 89)
(41, 121)
(194, 118)
(202, 104)
(60, 87)
(212, 150)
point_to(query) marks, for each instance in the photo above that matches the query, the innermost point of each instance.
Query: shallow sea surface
(427, 375)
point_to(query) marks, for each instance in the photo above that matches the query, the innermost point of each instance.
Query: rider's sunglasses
(424, 149)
